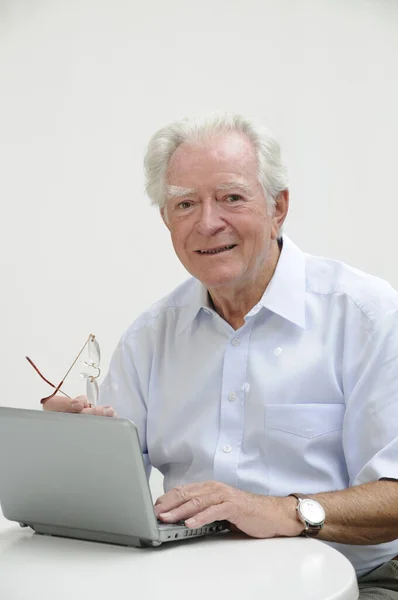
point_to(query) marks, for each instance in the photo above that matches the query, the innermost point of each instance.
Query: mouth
(216, 250)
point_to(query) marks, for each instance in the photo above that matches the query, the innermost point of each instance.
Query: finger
(63, 404)
(220, 512)
(191, 508)
(100, 411)
(181, 494)
(83, 399)
(177, 496)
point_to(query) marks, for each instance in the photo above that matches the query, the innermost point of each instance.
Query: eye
(184, 204)
(233, 198)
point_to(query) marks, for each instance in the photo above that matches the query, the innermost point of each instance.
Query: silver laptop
(82, 477)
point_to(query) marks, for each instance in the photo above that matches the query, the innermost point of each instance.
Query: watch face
(312, 511)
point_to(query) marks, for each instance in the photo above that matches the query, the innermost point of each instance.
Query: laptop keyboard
(171, 525)
(180, 531)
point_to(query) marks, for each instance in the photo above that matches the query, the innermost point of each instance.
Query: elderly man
(270, 375)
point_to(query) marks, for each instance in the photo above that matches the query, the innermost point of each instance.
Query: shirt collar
(285, 293)
(196, 300)
(284, 296)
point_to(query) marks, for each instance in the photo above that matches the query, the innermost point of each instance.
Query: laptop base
(167, 534)
(93, 536)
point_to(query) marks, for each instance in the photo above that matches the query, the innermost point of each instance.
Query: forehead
(217, 156)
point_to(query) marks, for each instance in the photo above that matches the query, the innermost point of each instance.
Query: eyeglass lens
(94, 352)
(92, 391)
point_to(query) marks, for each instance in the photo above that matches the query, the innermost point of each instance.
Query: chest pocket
(303, 447)
(305, 420)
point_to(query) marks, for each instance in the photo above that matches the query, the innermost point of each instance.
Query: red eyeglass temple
(56, 387)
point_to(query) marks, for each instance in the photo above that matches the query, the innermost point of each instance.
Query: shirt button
(277, 351)
(235, 342)
(227, 449)
(231, 396)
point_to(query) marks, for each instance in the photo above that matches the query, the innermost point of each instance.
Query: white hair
(272, 174)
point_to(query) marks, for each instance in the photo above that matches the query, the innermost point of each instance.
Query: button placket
(226, 458)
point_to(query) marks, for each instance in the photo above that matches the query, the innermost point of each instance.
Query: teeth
(217, 250)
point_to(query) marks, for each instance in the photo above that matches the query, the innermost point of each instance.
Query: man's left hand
(201, 503)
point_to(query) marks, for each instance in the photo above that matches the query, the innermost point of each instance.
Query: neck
(233, 304)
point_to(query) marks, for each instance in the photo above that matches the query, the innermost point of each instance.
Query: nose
(210, 221)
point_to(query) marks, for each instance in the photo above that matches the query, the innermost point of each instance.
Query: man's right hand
(77, 405)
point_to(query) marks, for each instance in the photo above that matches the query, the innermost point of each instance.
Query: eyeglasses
(93, 363)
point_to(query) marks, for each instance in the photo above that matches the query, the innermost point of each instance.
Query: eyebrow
(175, 191)
(233, 184)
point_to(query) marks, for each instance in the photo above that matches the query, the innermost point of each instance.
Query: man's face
(216, 211)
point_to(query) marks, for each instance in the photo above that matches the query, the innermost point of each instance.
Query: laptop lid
(74, 471)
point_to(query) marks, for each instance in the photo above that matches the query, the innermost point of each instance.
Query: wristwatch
(311, 513)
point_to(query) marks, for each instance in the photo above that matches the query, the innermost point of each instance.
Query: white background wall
(83, 85)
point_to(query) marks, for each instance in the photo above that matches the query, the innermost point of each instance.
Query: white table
(229, 566)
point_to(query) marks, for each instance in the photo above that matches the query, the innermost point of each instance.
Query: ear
(163, 214)
(280, 212)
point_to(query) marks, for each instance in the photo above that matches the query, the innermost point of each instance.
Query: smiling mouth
(216, 250)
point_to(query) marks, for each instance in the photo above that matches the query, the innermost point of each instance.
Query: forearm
(361, 515)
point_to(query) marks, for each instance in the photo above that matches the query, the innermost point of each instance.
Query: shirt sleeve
(370, 431)
(122, 390)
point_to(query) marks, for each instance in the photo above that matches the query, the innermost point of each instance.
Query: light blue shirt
(302, 398)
